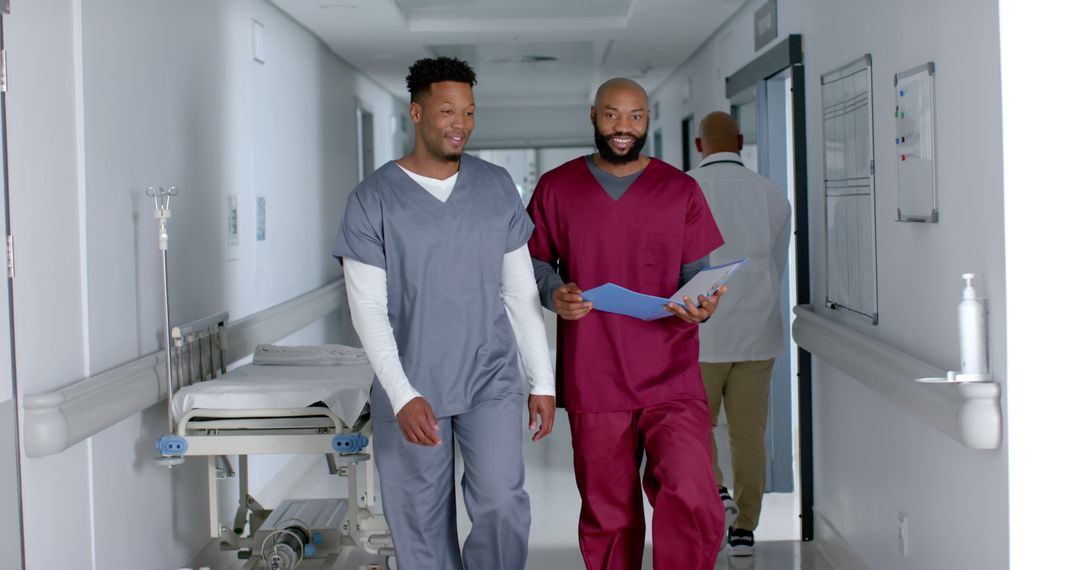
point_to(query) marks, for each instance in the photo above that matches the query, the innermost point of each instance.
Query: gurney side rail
(182, 425)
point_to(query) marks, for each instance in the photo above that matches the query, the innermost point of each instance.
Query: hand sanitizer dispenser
(974, 365)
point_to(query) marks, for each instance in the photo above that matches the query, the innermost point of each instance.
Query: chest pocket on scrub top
(660, 256)
(492, 248)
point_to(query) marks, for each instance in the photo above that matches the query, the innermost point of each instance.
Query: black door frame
(784, 55)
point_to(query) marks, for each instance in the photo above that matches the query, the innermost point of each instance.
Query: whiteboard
(850, 224)
(916, 183)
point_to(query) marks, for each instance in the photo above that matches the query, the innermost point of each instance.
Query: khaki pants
(743, 388)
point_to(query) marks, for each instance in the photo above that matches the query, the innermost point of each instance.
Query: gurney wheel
(169, 461)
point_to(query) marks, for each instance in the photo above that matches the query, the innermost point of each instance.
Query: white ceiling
(510, 43)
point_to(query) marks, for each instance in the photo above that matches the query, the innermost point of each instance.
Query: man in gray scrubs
(444, 300)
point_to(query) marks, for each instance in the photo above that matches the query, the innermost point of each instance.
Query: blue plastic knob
(345, 443)
(317, 538)
(349, 443)
(309, 550)
(171, 445)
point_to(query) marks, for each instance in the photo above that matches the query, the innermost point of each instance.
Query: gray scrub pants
(418, 490)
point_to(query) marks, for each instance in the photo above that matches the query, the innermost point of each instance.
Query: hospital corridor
(538, 285)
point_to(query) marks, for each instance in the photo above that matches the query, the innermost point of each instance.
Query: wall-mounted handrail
(54, 421)
(967, 412)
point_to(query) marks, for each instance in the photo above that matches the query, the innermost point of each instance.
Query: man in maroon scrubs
(630, 386)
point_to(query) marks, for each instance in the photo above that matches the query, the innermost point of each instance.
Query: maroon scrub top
(607, 362)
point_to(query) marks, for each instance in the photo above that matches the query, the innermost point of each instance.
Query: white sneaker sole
(741, 550)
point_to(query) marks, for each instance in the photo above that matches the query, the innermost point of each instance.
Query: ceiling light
(522, 59)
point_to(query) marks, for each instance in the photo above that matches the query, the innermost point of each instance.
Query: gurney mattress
(344, 389)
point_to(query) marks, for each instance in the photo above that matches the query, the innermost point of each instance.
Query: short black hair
(433, 70)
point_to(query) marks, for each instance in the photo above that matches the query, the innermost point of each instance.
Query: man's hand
(696, 314)
(418, 424)
(542, 408)
(568, 302)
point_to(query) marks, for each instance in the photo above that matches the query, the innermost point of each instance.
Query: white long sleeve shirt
(755, 217)
(367, 293)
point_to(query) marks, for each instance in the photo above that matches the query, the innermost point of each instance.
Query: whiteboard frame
(911, 216)
(855, 66)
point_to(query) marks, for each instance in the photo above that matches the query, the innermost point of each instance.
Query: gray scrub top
(443, 264)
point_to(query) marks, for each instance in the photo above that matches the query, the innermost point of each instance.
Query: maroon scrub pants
(688, 515)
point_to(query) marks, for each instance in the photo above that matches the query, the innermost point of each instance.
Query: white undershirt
(366, 287)
(440, 189)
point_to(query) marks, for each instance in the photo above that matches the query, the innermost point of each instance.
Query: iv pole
(162, 213)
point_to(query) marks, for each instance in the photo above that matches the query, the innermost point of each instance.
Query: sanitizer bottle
(972, 313)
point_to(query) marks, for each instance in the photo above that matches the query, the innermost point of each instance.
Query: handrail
(54, 421)
(967, 412)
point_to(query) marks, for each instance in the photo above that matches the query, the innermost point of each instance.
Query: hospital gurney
(288, 400)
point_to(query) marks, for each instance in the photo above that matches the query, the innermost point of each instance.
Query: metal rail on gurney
(208, 431)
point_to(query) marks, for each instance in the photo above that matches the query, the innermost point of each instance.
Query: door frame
(688, 136)
(788, 53)
(364, 167)
(8, 298)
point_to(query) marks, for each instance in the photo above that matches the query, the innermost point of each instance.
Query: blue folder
(612, 298)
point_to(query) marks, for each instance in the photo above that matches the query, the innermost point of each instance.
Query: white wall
(1041, 204)
(161, 93)
(871, 458)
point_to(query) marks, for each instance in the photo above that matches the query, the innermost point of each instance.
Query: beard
(448, 156)
(434, 147)
(603, 146)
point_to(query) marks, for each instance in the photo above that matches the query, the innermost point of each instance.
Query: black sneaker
(741, 542)
(730, 507)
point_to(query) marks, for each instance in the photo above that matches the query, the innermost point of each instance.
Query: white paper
(707, 281)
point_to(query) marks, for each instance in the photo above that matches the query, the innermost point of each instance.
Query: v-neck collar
(600, 187)
(415, 187)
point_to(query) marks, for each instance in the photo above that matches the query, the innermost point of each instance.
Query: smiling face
(444, 118)
(620, 120)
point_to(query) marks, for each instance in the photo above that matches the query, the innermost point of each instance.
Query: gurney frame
(198, 355)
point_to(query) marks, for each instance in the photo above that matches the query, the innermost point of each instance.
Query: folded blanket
(270, 354)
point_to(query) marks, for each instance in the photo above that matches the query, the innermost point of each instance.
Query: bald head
(618, 84)
(718, 132)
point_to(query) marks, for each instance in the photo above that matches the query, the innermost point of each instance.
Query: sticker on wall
(260, 218)
(232, 220)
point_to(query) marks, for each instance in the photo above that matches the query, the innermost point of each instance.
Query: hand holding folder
(614, 299)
